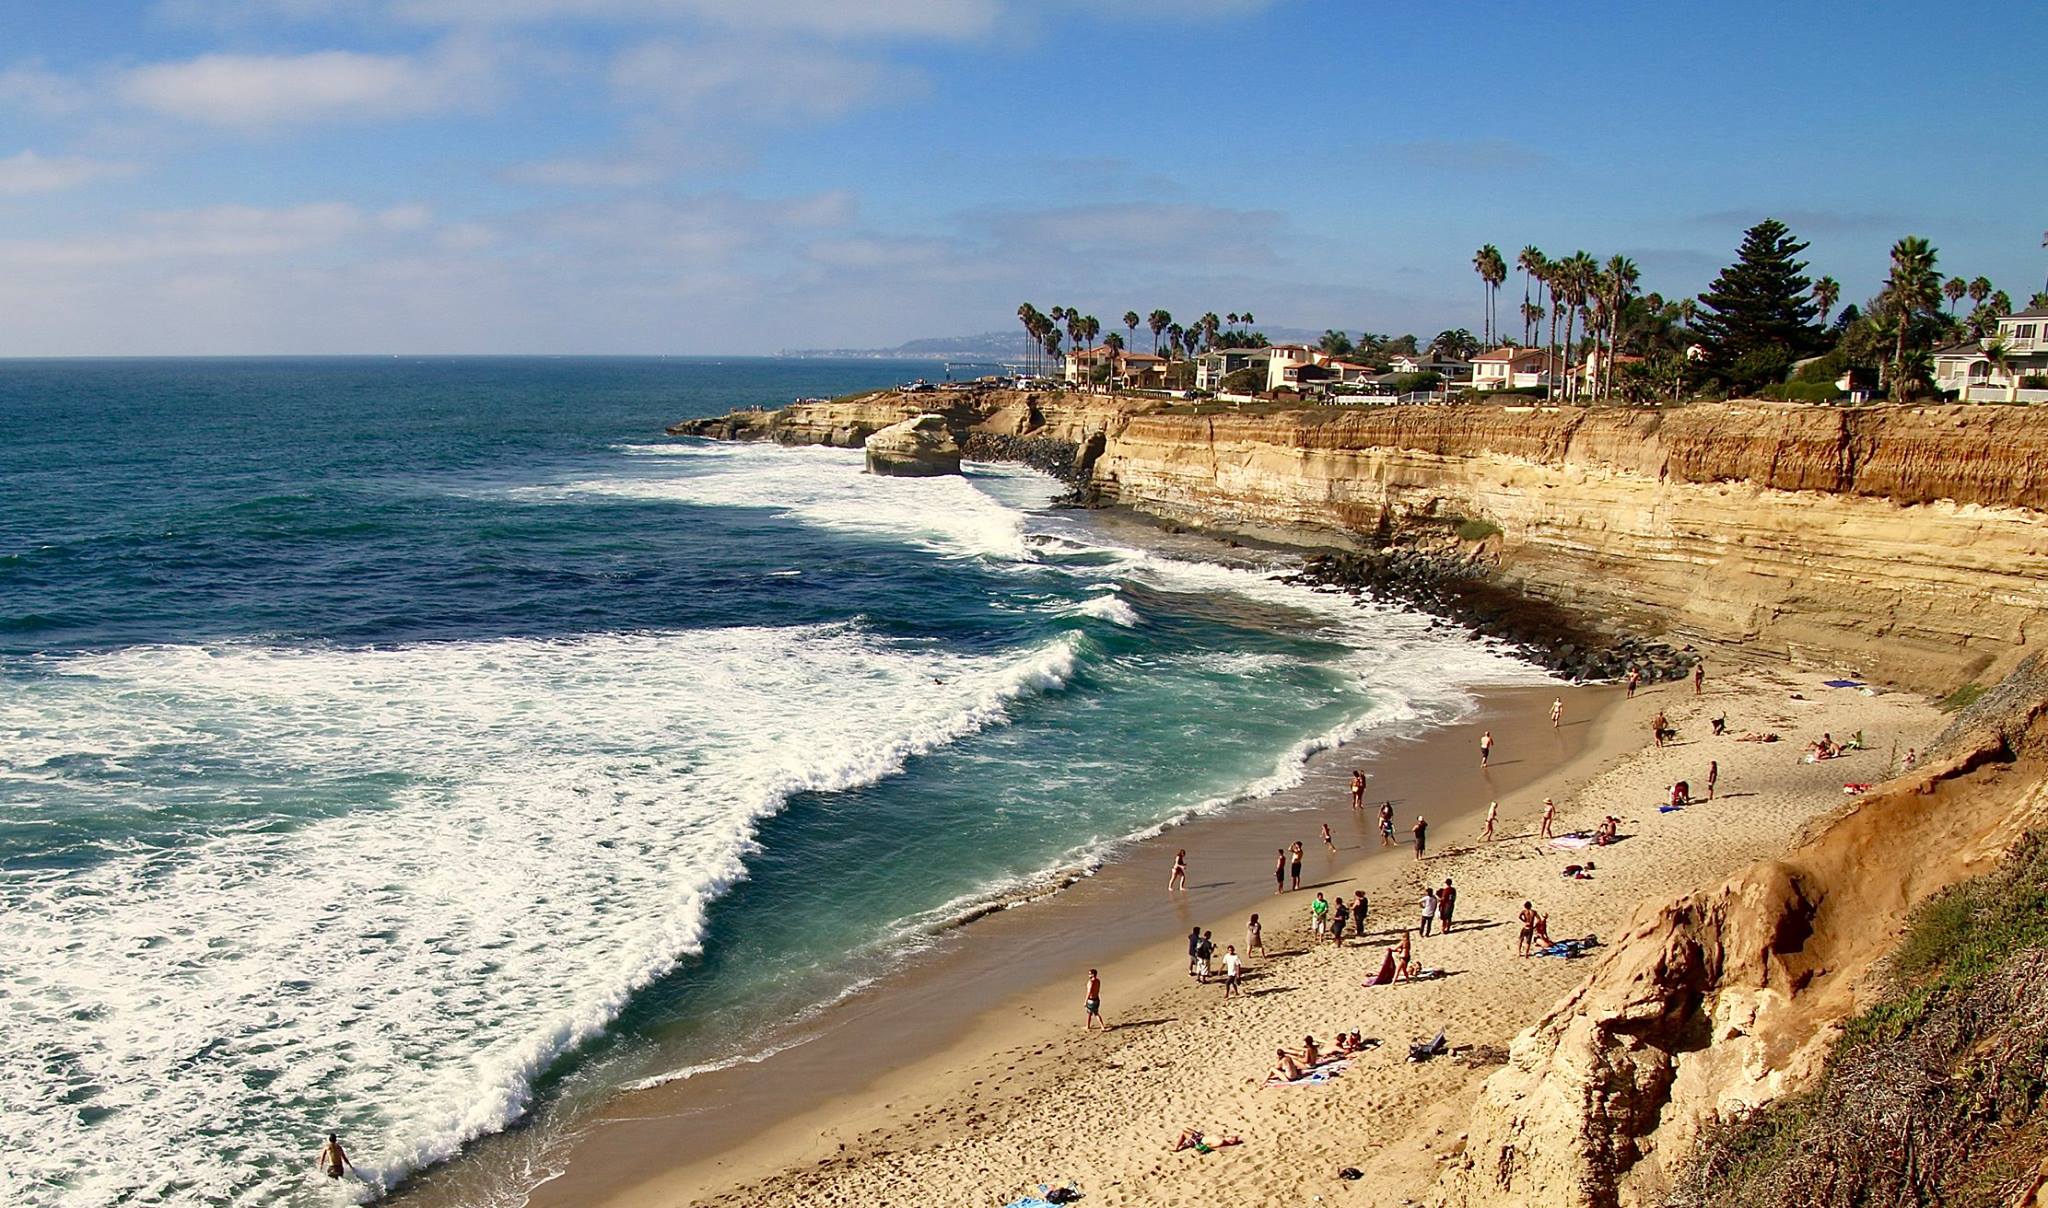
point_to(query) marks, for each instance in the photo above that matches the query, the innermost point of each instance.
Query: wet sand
(890, 1053)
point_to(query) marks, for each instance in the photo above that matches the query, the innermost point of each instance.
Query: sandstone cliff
(1903, 543)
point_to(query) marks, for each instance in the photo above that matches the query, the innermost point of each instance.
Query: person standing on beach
(1699, 676)
(1404, 955)
(1556, 712)
(1357, 789)
(1485, 747)
(1387, 824)
(333, 1160)
(1194, 952)
(1233, 971)
(1527, 937)
(1254, 937)
(1421, 829)
(1358, 913)
(1713, 775)
(1294, 864)
(1635, 676)
(1549, 813)
(1093, 1003)
(1279, 870)
(1327, 840)
(1428, 909)
(1340, 914)
(1658, 725)
(1319, 915)
(1446, 904)
(1492, 816)
(1178, 878)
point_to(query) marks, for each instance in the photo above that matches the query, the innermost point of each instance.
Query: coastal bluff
(1906, 544)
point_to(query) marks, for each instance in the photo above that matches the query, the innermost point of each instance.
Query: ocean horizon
(415, 747)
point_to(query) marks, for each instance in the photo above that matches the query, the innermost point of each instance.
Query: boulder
(920, 447)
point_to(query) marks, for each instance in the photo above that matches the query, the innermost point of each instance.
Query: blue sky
(704, 176)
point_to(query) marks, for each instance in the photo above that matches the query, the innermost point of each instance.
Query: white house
(1509, 368)
(1218, 363)
(1126, 366)
(1967, 371)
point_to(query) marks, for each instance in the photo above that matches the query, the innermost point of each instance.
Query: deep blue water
(397, 746)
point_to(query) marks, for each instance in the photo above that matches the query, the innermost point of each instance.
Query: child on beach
(1319, 915)
(1549, 813)
(1387, 824)
(1492, 816)
(1327, 840)
(1255, 937)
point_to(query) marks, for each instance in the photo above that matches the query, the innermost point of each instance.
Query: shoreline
(1004, 980)
(1022, 1095)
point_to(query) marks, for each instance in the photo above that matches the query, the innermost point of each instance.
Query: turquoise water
(402, 747)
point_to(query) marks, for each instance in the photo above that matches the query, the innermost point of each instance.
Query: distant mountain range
(995, 346)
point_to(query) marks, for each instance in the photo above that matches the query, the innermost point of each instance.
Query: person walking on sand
(1421, 829)
(1658, 725)
(333, 1160)
(1233, 971)
(1387, 824)
(1699, 676)
(1194, 952)
(1446, 905)
(1713, 775)
(1093, 1004)
(1492, 816)
(1279, 870)
(1178, 878)
(1635, 677)
(1485, 747)
(1556, 712)
(1254, 937)
(1549, 814)
(1327, 840)
(1428, 909)
(1526, 939)
(1357, 789)
(1294, 864)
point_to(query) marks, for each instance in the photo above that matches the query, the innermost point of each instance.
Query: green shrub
(1477, 530)
(1249, 380)
(1801, 392)
(1961, 699)
(2034, 381)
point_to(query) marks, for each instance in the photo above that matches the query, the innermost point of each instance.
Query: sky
(215, 177)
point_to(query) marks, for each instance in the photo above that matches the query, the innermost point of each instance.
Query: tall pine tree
(1758, 316)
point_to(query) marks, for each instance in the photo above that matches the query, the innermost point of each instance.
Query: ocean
(419, 748)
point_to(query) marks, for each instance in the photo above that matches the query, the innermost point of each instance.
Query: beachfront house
(1968, 371)
(1139, 370)
(1593, 370)
(1510, 368)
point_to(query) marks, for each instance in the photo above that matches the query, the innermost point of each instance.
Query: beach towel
(1669, 809)
(1571, 949)
(1048, 1197)
(1572, 841)
(1385, 977)
(1841, 683)
(1423, 1052)
(1315, 1077)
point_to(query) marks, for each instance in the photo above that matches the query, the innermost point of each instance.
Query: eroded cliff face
(1907, 544)
(1726, 998)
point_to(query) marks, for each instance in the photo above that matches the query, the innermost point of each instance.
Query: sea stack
(922, 447)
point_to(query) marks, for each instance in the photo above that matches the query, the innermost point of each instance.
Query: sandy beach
(1015, 1093)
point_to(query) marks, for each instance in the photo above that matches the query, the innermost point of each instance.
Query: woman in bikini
(1357, 789)
(1327, 840)
(1178, 878)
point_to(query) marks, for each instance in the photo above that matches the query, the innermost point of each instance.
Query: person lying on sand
(1191, 1138)
(1756, 736)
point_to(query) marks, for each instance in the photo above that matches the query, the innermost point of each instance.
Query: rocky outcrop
(1906, 544)
(1725, 998)
(921, 447)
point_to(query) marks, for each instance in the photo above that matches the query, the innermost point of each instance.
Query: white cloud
(223, 232)
(39, 90)
(946, 19)
(759, 82)
(258, 91)
(27, 172)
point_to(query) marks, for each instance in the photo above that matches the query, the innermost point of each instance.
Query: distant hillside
(997, 346)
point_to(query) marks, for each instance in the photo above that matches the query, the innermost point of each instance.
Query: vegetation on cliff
(1934, 1094)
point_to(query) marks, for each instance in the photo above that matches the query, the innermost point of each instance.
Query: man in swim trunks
(1421, 830)
(1294, 864)
(1485, 747)
(1446, 903)
(1094, 1003)
(1528, 934)
(1387, 824)
(333, 1160)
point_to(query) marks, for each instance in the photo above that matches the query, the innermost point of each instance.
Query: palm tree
(1246, 318)
(1621, 277)
(1953, 290)
(1028, 315)
(1158, 321)
(1131, 323)
(1173, 334)
(1210, 325)
(2000, 355)
(1914, 288)
(1980, 289)
(1483, 261)
(1825, 293)
(1531, 264)
(1230, 319)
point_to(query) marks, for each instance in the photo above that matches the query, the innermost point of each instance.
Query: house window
(2024, 331)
